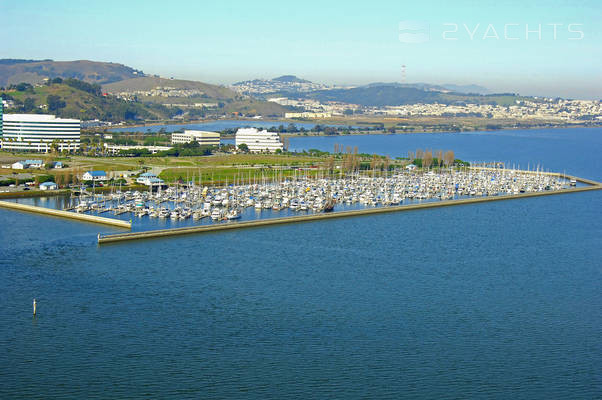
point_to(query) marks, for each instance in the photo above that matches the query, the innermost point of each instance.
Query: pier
(66, 214)
(103, 239)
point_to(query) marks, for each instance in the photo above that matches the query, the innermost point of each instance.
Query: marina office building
(259, 141)
(204, 138)
(38, 132)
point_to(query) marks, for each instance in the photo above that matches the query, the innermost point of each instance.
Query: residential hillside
(149, 83)
(192, 95)
(34, 71)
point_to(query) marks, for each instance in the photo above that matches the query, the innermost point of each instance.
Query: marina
(305, 194)
(317, 217)
(194, 208)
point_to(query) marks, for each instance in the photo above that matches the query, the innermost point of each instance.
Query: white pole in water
(34, 306)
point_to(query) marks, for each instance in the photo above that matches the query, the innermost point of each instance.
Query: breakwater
(66, 214)
(102, 239)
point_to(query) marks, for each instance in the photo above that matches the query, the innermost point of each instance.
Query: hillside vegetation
(393, 95)
(72, 98)
(77, 99)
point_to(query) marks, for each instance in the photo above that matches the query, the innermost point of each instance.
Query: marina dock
(104, 239)
(66, 214)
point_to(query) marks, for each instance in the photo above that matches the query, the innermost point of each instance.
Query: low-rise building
(204, 138)
(95, 176)
(49, 186)
(149, 179)
(27, 164)
(259, 141)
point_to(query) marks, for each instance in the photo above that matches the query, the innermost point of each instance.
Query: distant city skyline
(545, 48)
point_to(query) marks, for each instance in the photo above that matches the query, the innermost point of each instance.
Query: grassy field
(216, 168)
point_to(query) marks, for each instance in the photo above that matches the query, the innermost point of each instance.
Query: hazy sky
(343, 42)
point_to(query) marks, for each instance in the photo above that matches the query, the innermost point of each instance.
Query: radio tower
(403, 74)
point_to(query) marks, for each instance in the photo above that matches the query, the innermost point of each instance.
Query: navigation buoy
(34, 306)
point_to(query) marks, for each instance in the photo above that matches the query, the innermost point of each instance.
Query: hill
(14, 71)
(77, 99)
(380, 95)
(148, 83)
(290, 79)
(72, 98)
(157, 90)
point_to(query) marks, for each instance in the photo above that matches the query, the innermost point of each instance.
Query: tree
(243, 147)
(449, 157)
(54, 102)
(427, 160)
(21, 87)
(29, 104)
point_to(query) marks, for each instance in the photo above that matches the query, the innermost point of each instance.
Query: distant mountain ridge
(396, 94)
(447, 87)
(13, 71)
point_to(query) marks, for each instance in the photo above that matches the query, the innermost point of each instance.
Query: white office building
(37, 132)
(204, 138)
(259, 141)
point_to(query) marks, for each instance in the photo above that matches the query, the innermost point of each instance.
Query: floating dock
(66, 214)
(121, 237)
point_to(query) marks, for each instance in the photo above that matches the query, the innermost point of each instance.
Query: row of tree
(428, 158)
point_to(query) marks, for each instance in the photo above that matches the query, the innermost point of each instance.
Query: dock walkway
(66, 214)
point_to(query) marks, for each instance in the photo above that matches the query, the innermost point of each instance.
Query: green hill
(77, 99)
(73, 98)
(379, 95)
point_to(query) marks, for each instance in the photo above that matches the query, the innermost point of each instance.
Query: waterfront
(489, 300)
(216, 126)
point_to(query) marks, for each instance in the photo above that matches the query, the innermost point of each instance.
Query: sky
(547, 48)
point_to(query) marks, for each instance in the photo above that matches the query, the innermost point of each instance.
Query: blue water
(215, 126)
(571, 150)
(493, 300)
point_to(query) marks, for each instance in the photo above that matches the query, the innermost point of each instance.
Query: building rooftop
(35, 118)
(97, 173)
